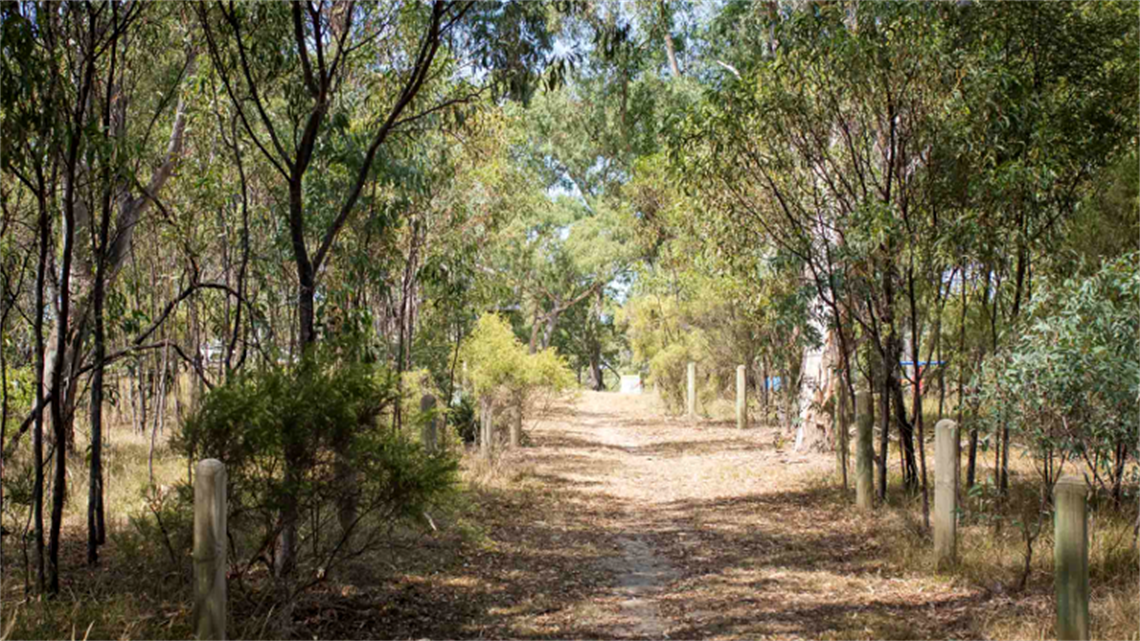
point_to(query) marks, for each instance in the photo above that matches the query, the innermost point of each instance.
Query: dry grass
(138, 591)
(992, 549)
(616, 521)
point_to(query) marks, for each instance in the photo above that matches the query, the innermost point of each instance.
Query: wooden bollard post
(741, 398)
(691, 397)
(864, 453)
(428, 431)
(486, 429)
(516, 427)
(1071, 559)
(946, 493)
(210, 550)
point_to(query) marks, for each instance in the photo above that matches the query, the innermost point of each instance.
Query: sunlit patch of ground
(695, 529)
(619, 521)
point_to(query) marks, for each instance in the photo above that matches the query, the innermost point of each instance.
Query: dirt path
(617, 521)
(643, 576)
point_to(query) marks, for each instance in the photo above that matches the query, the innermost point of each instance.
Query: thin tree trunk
(1118, 472)
(915, 348)
(871, 394)
(941, 376)
(997, 458)
(38, 428)
(161, 407)
(58, 400)
(131, 401)
(891, 378)
(766, 388)
(95, 523)
(550, 325)
(1005, 458)
(885, 430)
(516, 419)
(841, 424)
(972, 457)
(4, 399)
(534, 329)
(95, 534)
(140, 379)
(670, 51)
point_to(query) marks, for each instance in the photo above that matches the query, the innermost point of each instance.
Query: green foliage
(462, 418)
(714, 328)
(21, 391)
(547, 370)
(155, 535)
(656, 338)
(414, 385)
(500, 369)
(1069, 384)
(1107, 222)
(321, 413)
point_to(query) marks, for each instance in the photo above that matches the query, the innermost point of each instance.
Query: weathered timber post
(486, 430)
(741, 398)
(864, 453)
(946, 493)
(428, 433)
(691, 398)
(516, 425)
(1071, 559)
(210, 550)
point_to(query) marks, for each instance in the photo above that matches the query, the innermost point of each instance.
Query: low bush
(505, 378)
(303, 445)
(1067, 388)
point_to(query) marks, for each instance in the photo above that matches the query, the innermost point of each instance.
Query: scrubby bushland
(709, 326)
(1068, 387)
(506, 379)
(351, 479)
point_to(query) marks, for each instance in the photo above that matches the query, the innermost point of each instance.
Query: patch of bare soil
(618, 521)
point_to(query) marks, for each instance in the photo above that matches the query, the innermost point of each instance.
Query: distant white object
(631, 384)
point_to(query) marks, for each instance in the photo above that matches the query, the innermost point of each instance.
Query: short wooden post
(516, 426)
(691, 398)
(428, 431)
(1071, 559)
(486, 429)
(946, 493)
(210, 550)
(864, 453)
(741, 398)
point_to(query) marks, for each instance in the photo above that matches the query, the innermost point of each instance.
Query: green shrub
(668, 332)
(162, 534)
(498, 363)
(1068, 387)
(306, 440)
(462, 419)
(502, 375)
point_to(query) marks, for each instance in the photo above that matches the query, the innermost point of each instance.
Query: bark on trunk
(884, 431)
(670, 51)
(95, 534)
(160, 413)
(915, 349)
(41, 382)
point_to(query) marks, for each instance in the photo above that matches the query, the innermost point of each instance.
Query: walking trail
(617, 521)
